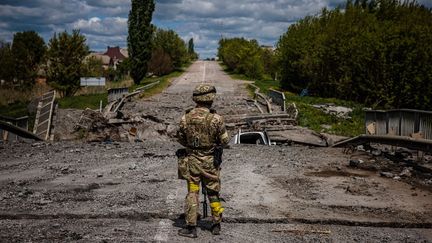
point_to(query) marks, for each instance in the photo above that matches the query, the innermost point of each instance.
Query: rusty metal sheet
(425, 125)
(404, 122)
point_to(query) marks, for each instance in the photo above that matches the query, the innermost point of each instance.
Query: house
(117, 55)
(111, 58)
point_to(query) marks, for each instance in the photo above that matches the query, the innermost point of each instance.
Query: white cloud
(111, 26)
(104, 22)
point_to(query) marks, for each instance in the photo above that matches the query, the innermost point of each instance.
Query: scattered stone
(332, 109)
(387, 174)
(396, 178)
(355, 162)
(65, 170)
(377, 152)
(327, 127)
(38, 145)
(133, 167)
(406, 172)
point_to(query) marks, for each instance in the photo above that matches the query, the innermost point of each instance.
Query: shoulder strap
(209, 118)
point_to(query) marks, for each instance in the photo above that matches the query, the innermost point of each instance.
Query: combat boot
(189, 231)
(215, 229)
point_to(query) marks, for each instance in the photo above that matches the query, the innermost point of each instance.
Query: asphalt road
(129, 192)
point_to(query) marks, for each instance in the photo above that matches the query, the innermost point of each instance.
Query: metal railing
(21, 122)
(403, 122)
(42, 127)
(117, 93)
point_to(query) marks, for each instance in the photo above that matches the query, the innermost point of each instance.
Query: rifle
(217, 157)
(204, 202)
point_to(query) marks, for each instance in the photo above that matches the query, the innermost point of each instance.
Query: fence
(402, 122)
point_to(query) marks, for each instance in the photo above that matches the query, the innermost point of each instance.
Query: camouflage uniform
(200, 130)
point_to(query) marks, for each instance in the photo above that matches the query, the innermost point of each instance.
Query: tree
(173, 45)
(169, 52)
(242, 56)
(375, 52)
(191, 50)
(93, 67)
(6, 63)
(28, 50)
(140, 37)
(191, 46)
(66, 53)
(160, 63)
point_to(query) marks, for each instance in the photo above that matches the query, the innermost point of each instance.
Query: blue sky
(104, 22)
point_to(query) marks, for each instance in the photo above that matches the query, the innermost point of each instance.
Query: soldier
(201, 129)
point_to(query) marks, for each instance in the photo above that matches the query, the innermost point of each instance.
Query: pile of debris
(332, 109)
(94, 127)
(403, 164)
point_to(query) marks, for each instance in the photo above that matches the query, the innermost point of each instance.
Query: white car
(252, 138)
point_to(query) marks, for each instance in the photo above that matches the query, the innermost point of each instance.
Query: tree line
(375, 52)
(64, 59)
(246, 57)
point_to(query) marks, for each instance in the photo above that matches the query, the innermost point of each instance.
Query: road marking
(165, 225)
(204, 73)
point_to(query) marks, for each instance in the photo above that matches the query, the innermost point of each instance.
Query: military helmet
(204, 93)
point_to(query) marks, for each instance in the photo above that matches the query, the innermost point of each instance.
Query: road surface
(129, 192)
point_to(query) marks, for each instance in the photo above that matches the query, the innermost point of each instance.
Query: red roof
(114, 53)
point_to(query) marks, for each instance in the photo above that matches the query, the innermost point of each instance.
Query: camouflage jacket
(200, 130)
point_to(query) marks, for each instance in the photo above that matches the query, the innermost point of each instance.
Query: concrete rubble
(332, 109)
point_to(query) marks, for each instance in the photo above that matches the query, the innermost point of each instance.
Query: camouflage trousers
(194, 170)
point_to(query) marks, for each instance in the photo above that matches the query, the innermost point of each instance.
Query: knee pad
(193, 187)
(216, 208)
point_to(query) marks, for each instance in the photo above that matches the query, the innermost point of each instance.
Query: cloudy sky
(104, 22)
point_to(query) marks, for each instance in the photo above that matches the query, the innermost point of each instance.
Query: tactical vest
(199, 132)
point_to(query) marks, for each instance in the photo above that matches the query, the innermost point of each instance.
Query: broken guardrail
(9, 125)
(278, 98)
(115, 105)
(260, 99)
(45, 110)
(117, 93)
(7, 129)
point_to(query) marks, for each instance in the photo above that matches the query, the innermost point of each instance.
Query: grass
(311, 117)
(314, 118)
(92, 101)
(82, 102)
(16, 110)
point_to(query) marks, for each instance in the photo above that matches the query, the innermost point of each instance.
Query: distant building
(111, 58)
(117, 55)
